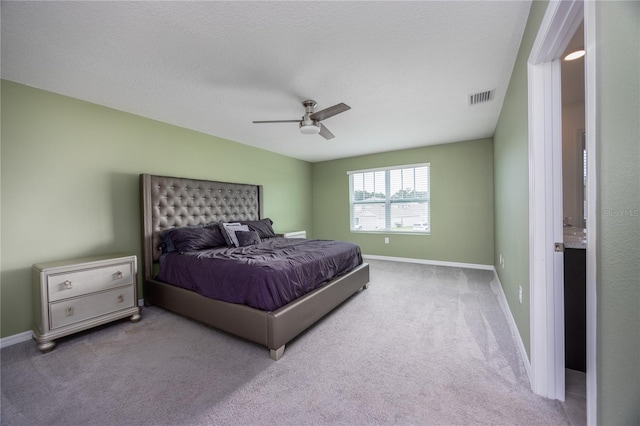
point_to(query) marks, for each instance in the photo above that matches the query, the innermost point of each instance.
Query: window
(392, 199)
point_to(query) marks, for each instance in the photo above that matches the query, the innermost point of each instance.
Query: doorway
(574, 174)
(560, 23)
(574, 205)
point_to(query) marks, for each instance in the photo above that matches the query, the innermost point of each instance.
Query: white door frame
(559, 24)
(592, 205)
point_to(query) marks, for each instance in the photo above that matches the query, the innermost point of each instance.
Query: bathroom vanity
(575, 299)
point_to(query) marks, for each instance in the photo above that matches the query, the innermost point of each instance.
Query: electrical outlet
(520, 294)
(386, 240)
(501, 260)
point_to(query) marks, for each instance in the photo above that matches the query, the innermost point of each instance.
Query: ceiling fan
(310, 124)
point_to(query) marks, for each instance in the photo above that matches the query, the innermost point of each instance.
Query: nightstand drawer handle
(69, 311)
(118, 275)
(120, 298)
(68, 285)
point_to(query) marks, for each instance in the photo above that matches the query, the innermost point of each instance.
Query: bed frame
(168, 202)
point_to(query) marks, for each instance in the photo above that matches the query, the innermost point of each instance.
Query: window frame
(389, 201)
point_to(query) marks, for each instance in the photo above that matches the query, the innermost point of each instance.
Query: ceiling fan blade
(278, 121)
(325, 133)
(329, 112)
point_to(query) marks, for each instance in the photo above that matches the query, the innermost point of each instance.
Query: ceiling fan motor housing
(309, 126)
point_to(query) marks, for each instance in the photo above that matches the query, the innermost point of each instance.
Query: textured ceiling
(405, 68)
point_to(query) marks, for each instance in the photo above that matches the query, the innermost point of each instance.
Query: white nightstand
(77, 294)
(294, 234)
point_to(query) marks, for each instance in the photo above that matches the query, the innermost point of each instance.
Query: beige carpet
(423, 345)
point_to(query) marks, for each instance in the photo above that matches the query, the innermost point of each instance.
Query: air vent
(478, 98)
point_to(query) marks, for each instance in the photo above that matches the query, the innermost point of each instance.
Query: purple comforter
(264, 276)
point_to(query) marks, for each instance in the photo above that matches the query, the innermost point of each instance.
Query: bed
(169, 203)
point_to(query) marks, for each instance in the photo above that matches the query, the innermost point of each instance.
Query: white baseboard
(502, 300)
(430, 262)
(27, 335)
(16, 338)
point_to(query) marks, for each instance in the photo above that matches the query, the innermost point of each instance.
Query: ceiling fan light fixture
(312, 128)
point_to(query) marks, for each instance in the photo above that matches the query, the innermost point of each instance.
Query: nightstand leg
(135, 318)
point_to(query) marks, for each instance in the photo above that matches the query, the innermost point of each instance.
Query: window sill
(357, 231)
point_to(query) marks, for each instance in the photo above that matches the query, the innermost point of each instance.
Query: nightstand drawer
(91, 306)
(77, 283)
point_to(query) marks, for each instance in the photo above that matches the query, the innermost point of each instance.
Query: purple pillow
(193, 238)
(247, 238)
(262, 227)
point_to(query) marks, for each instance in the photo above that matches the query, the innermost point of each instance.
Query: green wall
(69, 176)
(617, 243)
(617, 29)
(511, 183)
(461, 203)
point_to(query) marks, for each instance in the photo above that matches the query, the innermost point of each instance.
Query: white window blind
(391, 199)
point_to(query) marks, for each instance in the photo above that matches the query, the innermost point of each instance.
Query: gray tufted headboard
(169, 202)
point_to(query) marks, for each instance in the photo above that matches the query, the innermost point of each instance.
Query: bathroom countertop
(575, 238)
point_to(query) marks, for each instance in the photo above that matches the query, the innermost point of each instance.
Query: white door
(545, 197)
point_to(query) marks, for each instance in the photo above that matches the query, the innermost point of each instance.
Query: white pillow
(231, 228)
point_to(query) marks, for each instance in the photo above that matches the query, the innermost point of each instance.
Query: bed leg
(276, 354)
(366, 286)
